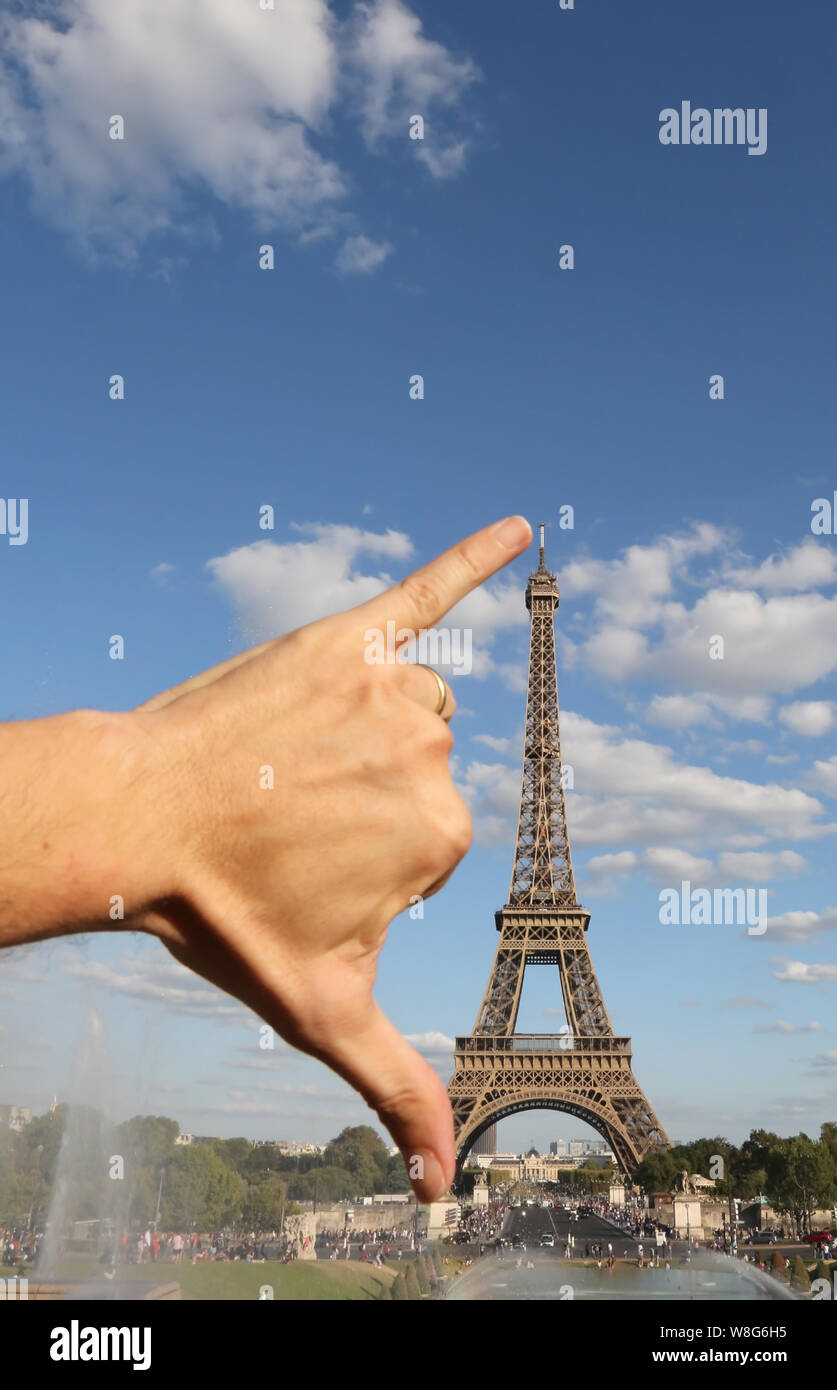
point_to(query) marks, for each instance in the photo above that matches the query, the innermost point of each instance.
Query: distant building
(493, 1160)
(558, 1149)
(590, 1148)
(184, 1138)
(16, 1116)
(487, 1142)
(288, 1148)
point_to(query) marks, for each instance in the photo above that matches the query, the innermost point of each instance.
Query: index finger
(420, 600)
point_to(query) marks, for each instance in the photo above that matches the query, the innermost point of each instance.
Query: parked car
(548, 1240)
(767, 1237)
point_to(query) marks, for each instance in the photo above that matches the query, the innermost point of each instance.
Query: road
(530, 1223)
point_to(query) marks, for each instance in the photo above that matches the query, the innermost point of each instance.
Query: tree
(264, 1205)
(413, 1290)
(750, 1168)
(146, 1140)
(399, 1288)
(263, 1156)
(146, 1143)
(234, 1153)
(323, 1185)
(800, 1278)
(361, 1151)
(45, 1132)
(800, 1178)
(437, 1261)
(397, 1177)
(422, 1275)
(778, 1267)
(657, 1172)
(828, 1136)
(200, 1191)
(467, 1179)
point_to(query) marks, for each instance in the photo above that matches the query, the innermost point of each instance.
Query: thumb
(408, 1097)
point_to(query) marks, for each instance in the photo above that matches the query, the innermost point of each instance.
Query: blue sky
(542, 387)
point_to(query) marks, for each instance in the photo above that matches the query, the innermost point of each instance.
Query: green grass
(303, 1280)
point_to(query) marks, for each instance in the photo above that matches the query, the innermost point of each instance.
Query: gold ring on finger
(442, 688)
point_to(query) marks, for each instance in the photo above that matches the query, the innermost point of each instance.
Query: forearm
(68, 826)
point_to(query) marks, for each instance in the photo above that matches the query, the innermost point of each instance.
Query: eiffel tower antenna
(585, 1070)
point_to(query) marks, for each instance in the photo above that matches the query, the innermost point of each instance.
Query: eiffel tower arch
(585, 1070)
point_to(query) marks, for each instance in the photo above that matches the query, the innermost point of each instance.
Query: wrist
(83, 824)
(126, 864)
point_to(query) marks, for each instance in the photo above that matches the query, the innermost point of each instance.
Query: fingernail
(513, 533)
(429, 1183)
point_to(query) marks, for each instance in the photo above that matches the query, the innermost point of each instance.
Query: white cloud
(808, 717)
(156, 977)
(634, 794)
(631, 590)
(827, 1060)
(229, 100)
(802, 925)
(809, 565)
(759, 866)
(824, 775)
(610, 864)
(497, 745)
(667, 864)
(275, 587)
(782, 1026)
(401, 72)
(359, 256)
(433, 1046)
(679, 711)
(443, 163)
(641, 629)
(799, 972)
(161, 572)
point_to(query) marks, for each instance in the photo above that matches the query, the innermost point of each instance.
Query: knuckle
(443, 738)
(467, 560)
(448, 837)
(397, 1104)
(420, 593)
(459, 829)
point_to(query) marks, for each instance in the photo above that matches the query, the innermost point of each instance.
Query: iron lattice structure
(585, 1071)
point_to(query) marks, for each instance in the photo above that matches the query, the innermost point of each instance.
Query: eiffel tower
(585, 1071)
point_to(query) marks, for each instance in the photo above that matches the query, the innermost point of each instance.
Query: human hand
(283, 897)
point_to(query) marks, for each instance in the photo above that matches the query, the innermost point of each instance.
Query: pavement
(530, 1223)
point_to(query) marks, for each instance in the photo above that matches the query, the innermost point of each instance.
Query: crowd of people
(19, 1247)
(480, 1225)
(149, 1246)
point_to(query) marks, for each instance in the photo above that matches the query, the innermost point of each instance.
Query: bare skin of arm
(281, 897)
